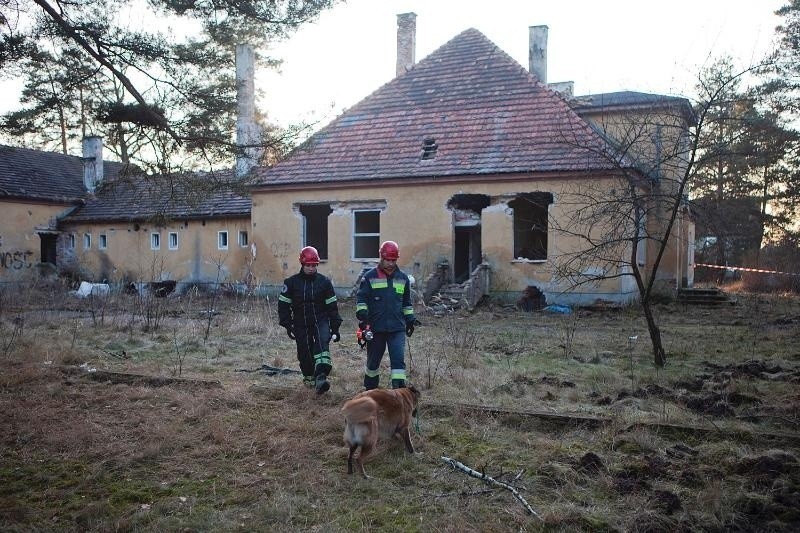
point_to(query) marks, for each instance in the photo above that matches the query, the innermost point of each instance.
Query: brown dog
(384, 412)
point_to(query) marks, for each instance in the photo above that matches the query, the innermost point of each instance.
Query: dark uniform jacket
(307, 300)
(384, 302)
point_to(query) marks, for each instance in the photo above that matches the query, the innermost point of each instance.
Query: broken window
(366, 233)
(530, 225)
(315, 227)
(429, 148)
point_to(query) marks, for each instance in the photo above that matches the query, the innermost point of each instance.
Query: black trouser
(313, 343)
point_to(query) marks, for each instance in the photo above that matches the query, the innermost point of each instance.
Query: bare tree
(620, 230)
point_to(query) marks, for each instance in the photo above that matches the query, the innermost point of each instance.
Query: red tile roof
(486, 113)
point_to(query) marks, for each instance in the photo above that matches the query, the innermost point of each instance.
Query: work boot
(398, 383)
(322, 384)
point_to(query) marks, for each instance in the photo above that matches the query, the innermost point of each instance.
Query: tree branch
(73, 33)
(480, 475)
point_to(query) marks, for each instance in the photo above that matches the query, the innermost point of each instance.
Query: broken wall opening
(315, 227)
(467, 247)
(531, 224)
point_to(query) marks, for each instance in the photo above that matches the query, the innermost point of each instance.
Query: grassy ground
(567, 409)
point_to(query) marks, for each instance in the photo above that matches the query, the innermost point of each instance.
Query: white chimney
(92, 162)
(406, 41)
(248, 133)
(537, 52)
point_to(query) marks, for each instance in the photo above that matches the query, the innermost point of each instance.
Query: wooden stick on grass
(492, 481)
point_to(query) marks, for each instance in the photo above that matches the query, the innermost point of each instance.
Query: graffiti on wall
(280, 249)
(14, 259)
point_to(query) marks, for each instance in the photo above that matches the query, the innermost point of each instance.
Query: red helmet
(309, 256)
(389, 250)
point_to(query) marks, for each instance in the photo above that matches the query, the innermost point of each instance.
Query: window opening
(429, 148)
(315, 227)
(530, 225)
(366, 234)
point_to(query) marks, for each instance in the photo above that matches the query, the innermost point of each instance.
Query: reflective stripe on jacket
(306, 299)
(385, 301)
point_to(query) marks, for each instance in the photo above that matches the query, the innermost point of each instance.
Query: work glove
(409, 329)
(290, 333)
(335, 335)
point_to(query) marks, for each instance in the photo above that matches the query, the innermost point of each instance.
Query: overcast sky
(605, 46)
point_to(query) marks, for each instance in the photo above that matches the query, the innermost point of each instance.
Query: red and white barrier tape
(743, 269)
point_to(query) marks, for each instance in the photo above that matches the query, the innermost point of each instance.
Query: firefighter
(383, 305)
(308, 310)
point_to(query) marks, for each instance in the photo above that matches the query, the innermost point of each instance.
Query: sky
(602, 46)
(613, 45)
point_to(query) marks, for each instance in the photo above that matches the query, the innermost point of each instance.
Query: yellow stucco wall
(418, 219)
(129, 254)
(20, 246)
(658, 135)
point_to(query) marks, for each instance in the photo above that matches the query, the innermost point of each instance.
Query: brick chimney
(537, 52)
(406, 41)
(248, 133)
(92, 162)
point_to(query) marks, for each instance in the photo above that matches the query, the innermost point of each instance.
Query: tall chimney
(92, 162)
(248, 133)
(406, 41)
(537, 52)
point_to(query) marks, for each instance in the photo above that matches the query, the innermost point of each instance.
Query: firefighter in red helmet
(383, 304)
(307, 308)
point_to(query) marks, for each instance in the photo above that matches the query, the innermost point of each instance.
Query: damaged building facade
(474, 165)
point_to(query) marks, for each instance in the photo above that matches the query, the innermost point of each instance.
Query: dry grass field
(174, 414)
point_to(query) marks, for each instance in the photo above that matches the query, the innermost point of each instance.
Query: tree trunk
(659, 355)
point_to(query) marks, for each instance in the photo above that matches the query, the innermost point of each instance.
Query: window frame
(243, 243)
(370, 235)
(220, 245)
(170, 235)
(155, 240)
(102, 242)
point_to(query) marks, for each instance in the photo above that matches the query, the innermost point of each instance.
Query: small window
(71, 241)
(243, 238)
(429, 148)
(103, 244)
(366, 234)
(173, 240)
(87, 241)
(155, 241)
(222, 240)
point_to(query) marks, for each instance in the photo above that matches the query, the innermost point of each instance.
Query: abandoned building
(36, 190)
(466, 159)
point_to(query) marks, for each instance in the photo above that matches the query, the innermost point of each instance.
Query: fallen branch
(488, 479)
